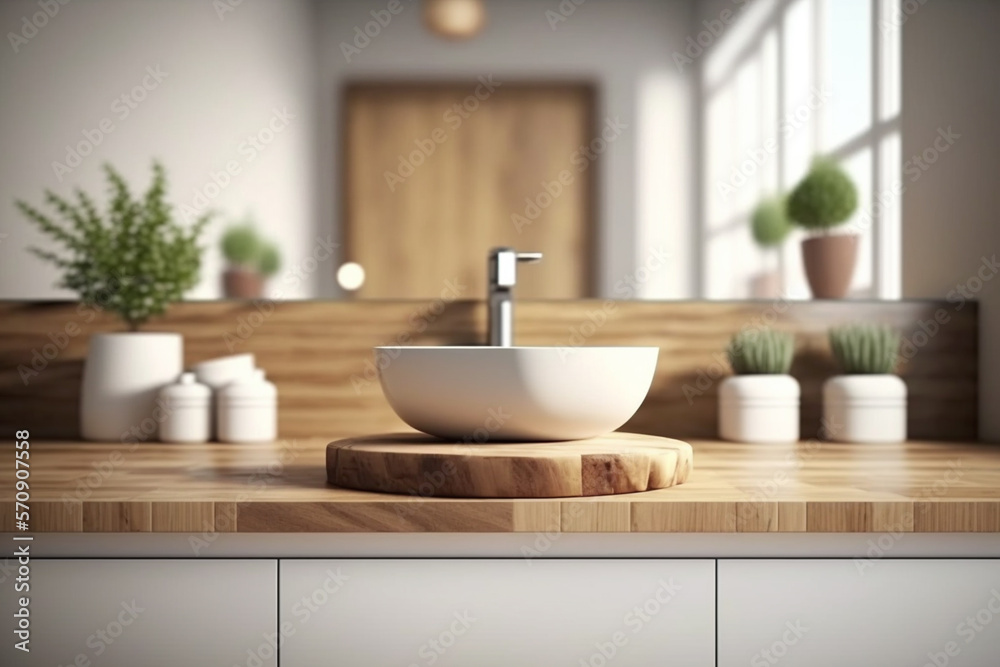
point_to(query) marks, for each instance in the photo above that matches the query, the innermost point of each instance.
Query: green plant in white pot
(769, 226)
(760, 403)
(825, 199)
(868, 402)
(133, 260)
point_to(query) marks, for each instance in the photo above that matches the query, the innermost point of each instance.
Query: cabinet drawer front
(361, 613)
(145, 612)
(831, 613)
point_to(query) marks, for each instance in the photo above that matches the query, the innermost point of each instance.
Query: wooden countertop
(281, 487)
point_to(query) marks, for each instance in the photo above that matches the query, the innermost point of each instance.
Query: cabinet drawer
(831, 613)
(484, 612)
(145, 612)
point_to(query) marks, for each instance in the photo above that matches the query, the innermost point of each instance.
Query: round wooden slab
(417, 464)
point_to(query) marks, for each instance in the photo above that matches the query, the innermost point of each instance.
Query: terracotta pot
(765, 285)
(829, 263)
(242, 284)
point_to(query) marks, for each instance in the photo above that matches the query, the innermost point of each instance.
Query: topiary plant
(865, 349)
(825, 198)
(134, 259)
(770, 224)
(761, 352)
(241, 245)
(268, 260)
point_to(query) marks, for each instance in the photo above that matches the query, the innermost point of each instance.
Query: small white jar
(248, 410)
(187, 405)
(759, 408)
(865, 408)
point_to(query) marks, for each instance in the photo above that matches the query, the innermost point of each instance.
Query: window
(789, 80)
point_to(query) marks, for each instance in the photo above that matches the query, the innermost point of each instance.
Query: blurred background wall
(222, 77)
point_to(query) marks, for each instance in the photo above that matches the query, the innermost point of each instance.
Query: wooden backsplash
(319, 355)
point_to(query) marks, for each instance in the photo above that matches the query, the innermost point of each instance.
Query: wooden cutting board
(417, 464)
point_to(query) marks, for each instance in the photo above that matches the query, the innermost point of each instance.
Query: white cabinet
(884, 613)
(484, 612)
(126, 613)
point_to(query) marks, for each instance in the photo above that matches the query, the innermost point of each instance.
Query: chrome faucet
(503, 277)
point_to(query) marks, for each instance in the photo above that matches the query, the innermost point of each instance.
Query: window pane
(890, 34)
(797, 117)
(859, 168)
(846, 34)
(889, 220)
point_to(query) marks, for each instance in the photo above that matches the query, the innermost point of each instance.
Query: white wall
(224, 76)
(951, 215)
(623, 46)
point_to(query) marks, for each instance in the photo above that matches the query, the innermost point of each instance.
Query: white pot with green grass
(133, 260)
(868, 402)
(760, 403)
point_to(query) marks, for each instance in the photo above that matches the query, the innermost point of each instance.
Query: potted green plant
(770, 227)
(250, 262)
(760, 403)
(133, 260)
(868, 402)
(824, 199)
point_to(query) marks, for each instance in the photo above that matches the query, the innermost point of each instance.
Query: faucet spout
(502, 278)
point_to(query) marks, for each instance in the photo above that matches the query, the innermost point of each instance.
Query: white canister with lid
(187, 405)
(248, 410)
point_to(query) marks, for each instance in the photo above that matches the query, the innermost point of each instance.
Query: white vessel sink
(503, 394)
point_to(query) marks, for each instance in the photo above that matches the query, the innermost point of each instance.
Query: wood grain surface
(319, 354)
(281, 487)
(415, 464)
(429, 189)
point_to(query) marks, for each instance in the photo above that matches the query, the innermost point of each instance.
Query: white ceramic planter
(122, 377)
(759, 408)
(865, 408)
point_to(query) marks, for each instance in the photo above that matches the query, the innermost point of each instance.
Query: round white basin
(502, 394)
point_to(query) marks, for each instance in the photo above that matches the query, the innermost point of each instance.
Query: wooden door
(437, 174)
